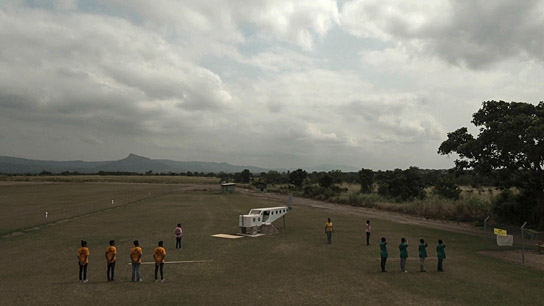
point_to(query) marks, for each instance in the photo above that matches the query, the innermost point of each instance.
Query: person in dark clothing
(383, 253)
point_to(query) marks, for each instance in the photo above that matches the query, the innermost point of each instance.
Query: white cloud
(315, 133)
(389, 19)
(266, 83)
(99, 67)
(475, 34)
(216, 22)
(294, 21)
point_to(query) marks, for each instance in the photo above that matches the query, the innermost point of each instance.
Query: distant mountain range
(132, 163)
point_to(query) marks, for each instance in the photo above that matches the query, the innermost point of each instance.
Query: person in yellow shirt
(111, 257)
(83, 259)
(329, 230)
(158, 254)
(136, 259)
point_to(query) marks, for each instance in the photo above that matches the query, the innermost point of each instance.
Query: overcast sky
(372, 84)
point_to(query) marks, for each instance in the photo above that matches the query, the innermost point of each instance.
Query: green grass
(293, 267)
(24, 205)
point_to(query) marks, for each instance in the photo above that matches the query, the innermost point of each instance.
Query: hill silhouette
(132, 163)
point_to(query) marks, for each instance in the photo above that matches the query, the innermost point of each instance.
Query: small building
(228, 187)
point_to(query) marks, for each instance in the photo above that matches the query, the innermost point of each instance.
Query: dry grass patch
(292, 267)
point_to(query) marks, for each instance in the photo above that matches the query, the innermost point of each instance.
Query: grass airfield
(293, 267)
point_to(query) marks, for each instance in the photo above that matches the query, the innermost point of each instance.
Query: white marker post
(485, 228)
(523, 244)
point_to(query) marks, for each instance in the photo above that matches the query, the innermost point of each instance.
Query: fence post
(522, 244)
(485, 228)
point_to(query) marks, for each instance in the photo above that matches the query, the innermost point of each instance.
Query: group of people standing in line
(403, 248)
(422, 250)
(159, 254)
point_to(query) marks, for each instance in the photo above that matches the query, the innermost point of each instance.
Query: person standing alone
(83, 259)
(158, 254)
(136, 259)
(368, 228)
(179, 233)
(329, 230)
(111, 257)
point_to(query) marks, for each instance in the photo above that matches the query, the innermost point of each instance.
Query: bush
(514, 208)
(447, 189)
(363, 200)
(472, 209)
(318, 192)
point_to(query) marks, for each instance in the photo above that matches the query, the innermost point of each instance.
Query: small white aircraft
(254, 221)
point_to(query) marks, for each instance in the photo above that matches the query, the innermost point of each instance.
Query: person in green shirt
(422, 247)
(383, 253)
(403, 248)
(441, 254)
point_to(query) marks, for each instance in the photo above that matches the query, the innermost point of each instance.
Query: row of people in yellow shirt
(159, 255)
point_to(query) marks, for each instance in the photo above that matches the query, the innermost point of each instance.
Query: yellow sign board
(499, 232)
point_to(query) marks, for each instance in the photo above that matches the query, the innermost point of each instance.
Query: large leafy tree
(325, 180)
(366, 177)
(446, 187)
(402, 184)
(297, 177)
(275, 177)
(509, 146)
(243, 177)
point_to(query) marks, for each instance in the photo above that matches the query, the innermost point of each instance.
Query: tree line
(397, 185)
